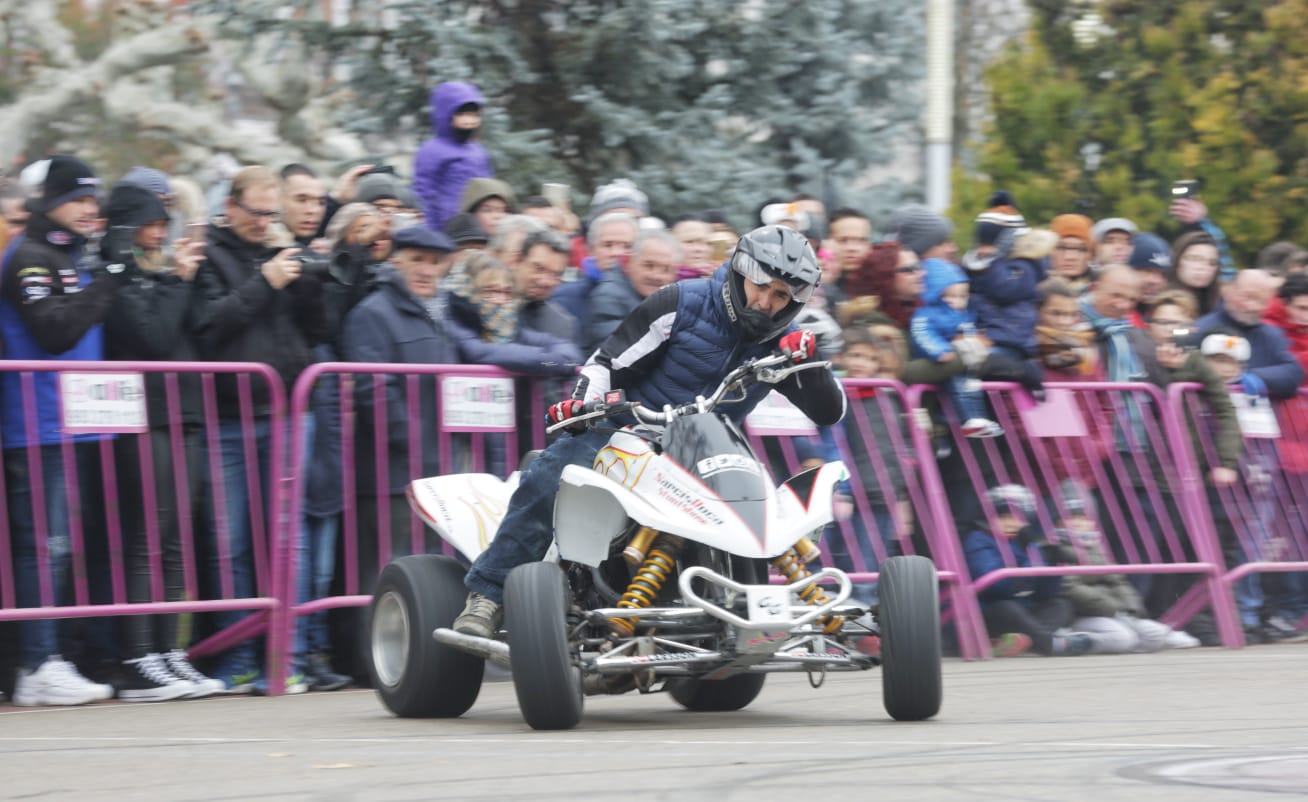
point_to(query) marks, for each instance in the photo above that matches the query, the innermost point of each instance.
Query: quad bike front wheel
(909, 616)
(415, 676)
(545, 675)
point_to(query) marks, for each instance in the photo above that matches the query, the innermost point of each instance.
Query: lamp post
(940, 102)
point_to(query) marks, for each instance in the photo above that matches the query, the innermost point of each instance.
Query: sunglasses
(909, 269)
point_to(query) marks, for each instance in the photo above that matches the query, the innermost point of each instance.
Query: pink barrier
(1258, 524)
(1114, 447)
(104, 401)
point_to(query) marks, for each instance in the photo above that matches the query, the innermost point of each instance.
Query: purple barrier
(125, 442)
(1259, 523)
(396, 435)
(1113, 450)
(885, 509)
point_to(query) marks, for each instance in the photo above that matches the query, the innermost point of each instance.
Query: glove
(798, 345)
(565, 410)
(1253, 384)
(972, 351)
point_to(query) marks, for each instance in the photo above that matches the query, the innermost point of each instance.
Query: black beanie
(133, 206)
(68, 179)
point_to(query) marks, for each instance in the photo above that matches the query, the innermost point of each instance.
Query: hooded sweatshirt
(936, 323)
(445, 163)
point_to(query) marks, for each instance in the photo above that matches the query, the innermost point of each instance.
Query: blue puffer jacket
(704, 348)
(936, 324)
(983, 554)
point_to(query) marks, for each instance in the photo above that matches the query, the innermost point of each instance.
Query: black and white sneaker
(181, 668)
(147, 679)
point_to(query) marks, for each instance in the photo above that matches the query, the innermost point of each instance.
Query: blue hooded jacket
(984, 554)
(935, 323)
(444, 165)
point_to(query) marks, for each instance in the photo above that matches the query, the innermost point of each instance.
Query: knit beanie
(68, 179)
(463, 228)
(1076, 226)
(621, 194)
(1001, 214)
(148, 178)
(919, 229)
(375, 187)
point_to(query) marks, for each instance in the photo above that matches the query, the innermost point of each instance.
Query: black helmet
(762, 255)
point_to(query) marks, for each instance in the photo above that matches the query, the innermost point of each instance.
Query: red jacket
(1297, 335)
(1292, 413)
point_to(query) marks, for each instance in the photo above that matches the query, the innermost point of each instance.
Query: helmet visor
(754, 272)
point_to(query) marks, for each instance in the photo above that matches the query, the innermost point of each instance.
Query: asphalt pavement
(1198, 725)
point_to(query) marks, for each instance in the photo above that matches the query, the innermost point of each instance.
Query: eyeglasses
(1071, 248)
(909, 269)
(266, 215)
(501, 291)
(1171, 324)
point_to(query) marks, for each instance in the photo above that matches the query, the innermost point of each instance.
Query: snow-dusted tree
(704, 103)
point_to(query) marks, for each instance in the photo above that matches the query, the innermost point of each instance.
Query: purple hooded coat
(443, 164)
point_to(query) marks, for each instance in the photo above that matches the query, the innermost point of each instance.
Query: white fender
(465, 509)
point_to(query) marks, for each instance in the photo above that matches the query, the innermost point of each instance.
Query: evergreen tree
(1105, 104)
(703, 103)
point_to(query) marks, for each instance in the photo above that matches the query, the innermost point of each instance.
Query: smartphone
(1184, 189)
(559, 195)
(197, 230)
(384, 169)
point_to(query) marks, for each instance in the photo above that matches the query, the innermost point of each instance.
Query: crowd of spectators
(268, 265)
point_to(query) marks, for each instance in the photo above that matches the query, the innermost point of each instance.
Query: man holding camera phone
(252, 303)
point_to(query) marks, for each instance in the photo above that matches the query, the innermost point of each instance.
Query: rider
(676, 345)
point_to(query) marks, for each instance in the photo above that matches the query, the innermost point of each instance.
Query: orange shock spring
(645, 585)
(791, 566)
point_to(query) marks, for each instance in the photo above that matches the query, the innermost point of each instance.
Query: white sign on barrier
(103, 403)
(776, 416)
(1256, 417)
(477, 404)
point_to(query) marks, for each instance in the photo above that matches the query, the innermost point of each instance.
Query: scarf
(494, 322)
(1123, 366)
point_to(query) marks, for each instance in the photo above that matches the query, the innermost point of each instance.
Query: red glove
(798, 345)
(564, 410)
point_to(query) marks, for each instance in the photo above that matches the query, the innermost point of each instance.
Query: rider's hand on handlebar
(798, 345)
(565, 410)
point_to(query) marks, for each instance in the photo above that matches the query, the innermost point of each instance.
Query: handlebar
(771, 369)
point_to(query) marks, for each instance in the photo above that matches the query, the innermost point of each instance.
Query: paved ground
(1201, 725)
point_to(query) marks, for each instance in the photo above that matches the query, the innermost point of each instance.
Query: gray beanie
(621, 194)
(375, 187)
(148, 178)
(919, 229)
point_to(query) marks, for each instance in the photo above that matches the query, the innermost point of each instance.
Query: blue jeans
(969, 402)
(528, 527)
(39, 639)
(315, 547)
(237, 534)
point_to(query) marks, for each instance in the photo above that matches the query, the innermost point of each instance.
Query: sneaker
(149, 680)
(318, 672)
(56, 682)
(1180, 639)
(295, 684)
(240, 680)
(181, 668)
(1010, 644)
(1281, 625)
(480, 617)
(1073, 644)
(981, 428)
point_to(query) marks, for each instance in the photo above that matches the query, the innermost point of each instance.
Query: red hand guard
(798, 345)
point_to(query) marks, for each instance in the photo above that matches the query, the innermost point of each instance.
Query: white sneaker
(182, 669)
(56, 682)
(981, 428)
(149, 680)
(1178, 639)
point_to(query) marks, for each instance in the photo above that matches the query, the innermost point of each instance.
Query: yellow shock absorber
(791, 566)
(644, 587)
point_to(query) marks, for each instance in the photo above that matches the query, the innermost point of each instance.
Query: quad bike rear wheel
(415, 676)
(909, 616)
(546, 676)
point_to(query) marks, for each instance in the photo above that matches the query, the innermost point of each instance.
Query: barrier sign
(775, 416)
(1256, 416)
(103, 403)
(477, 404)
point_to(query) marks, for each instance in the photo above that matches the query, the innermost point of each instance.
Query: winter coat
(239, 317)
(1270, 358)
(444, 165)
(1101, 595)
(392, 326)
(1225, 426)
(1295, 336)
(984, 554)
(935, 324)
(531, 352)
(50, 309)
(1293, 444)
(1006, 302)
(611, 301)
(574, 296)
